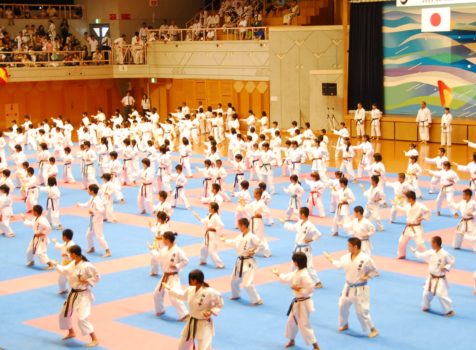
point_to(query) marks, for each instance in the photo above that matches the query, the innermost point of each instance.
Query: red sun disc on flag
(435, 19)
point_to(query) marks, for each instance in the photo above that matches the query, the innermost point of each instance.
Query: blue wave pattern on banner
(414, 62)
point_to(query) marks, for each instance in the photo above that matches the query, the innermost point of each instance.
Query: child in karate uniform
(180, 182)
(296, 192)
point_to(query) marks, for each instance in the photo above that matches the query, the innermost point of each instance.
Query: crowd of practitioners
(133, 147)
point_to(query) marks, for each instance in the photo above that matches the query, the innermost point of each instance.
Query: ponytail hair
(170, 236)
(76, 250)
(198, 276)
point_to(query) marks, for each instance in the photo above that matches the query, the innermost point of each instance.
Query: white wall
(294, 53)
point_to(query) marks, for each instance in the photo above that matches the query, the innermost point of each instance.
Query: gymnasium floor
(123, 312)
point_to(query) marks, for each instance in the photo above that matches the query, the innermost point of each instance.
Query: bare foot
(69, 336)
(373, 333)
(290, 344)
(92, 344)
(91, 250)
(344, 328)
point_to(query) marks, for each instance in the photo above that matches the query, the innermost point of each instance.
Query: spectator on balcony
(173, 31)
(98, 57)
(163, 30)
(106, 47)
(93, 43)
(41, 30)
(294, 11)
(197, 33)
(119, 48)
(137, 49)
(51, 12)
(10, 16)
(143, 32)
(64, 29)
(276, 6)
(51, 29)
(243, 23)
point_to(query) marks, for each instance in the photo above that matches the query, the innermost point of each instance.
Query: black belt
(242, 262)
(236, 178)
(296, 300)
(50, 200)
(177, 191)
(72, 296)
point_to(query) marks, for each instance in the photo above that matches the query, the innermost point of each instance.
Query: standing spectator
(128, 102)
(51, 29)
(98, 57)
(137, 46)
(293, 12)
(143, 32)
(9, 16)
(93, 44)
(145, 104)
(64, 29)
(119, 44)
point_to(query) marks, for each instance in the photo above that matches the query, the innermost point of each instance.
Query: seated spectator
(293, 12)
(98, 57)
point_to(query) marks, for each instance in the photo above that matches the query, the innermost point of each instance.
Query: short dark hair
(359, 209)
(170, 236)
(68, 233)
(410, 195)
(437, 240)
(94, 188)
(244, 221)
(38, 209)
(300, 259)
(468, 192)
(354, 241)
(304, 211)
(196, 275)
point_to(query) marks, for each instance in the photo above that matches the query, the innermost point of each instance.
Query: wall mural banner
(409, 3)
(438, 67)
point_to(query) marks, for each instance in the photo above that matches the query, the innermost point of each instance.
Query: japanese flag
(436, 19)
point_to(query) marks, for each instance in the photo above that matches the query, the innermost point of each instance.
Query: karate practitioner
(415, 213)
(446, 129)
(96, 220)
(423, 120)
(172, 261)
(438, 161)
(361, 228)
(440, 263)
(306, 233)
(466, 229)
(145, 196)
(82, 276)
(359, 268)
(213, 226)
(448, 180)
(38, 245)
(204, 302)
(375, 198)
(375, 118)
(158, 229)
(65, 257)
(246, 245)
(359, 119)
(296, 192)
(257, 210)
(345, 197)
(302, 304)
(317, 188)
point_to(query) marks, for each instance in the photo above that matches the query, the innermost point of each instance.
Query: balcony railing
(211, 34)
(51, 59)
(35, 11)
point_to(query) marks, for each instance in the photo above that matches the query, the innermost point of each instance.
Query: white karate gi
(245, 266)
(435, 180)
(39, 243)
(305, 231)
(424, 121)
(53, 205)
(68, 176)
(362, 229)
(265, 173)
(375, 197)
(314, 200)
(80, 298)
(296, 192)
(198, 328)
(96, 211)
(257, 210)
(359, 119)
(471, 169)
(145, 200)
(375, 116)
(301, 306)
(344, 199)
(399, 190)
(413, 229)
(172, 261)
(448, 180)
(466, 228)
(446, 129)
(6, 213)
(65, 260)
(356, 291)
(213, 226)
(158, 230)
(439, 263)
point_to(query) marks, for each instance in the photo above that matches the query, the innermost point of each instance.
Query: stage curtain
(366, 55)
